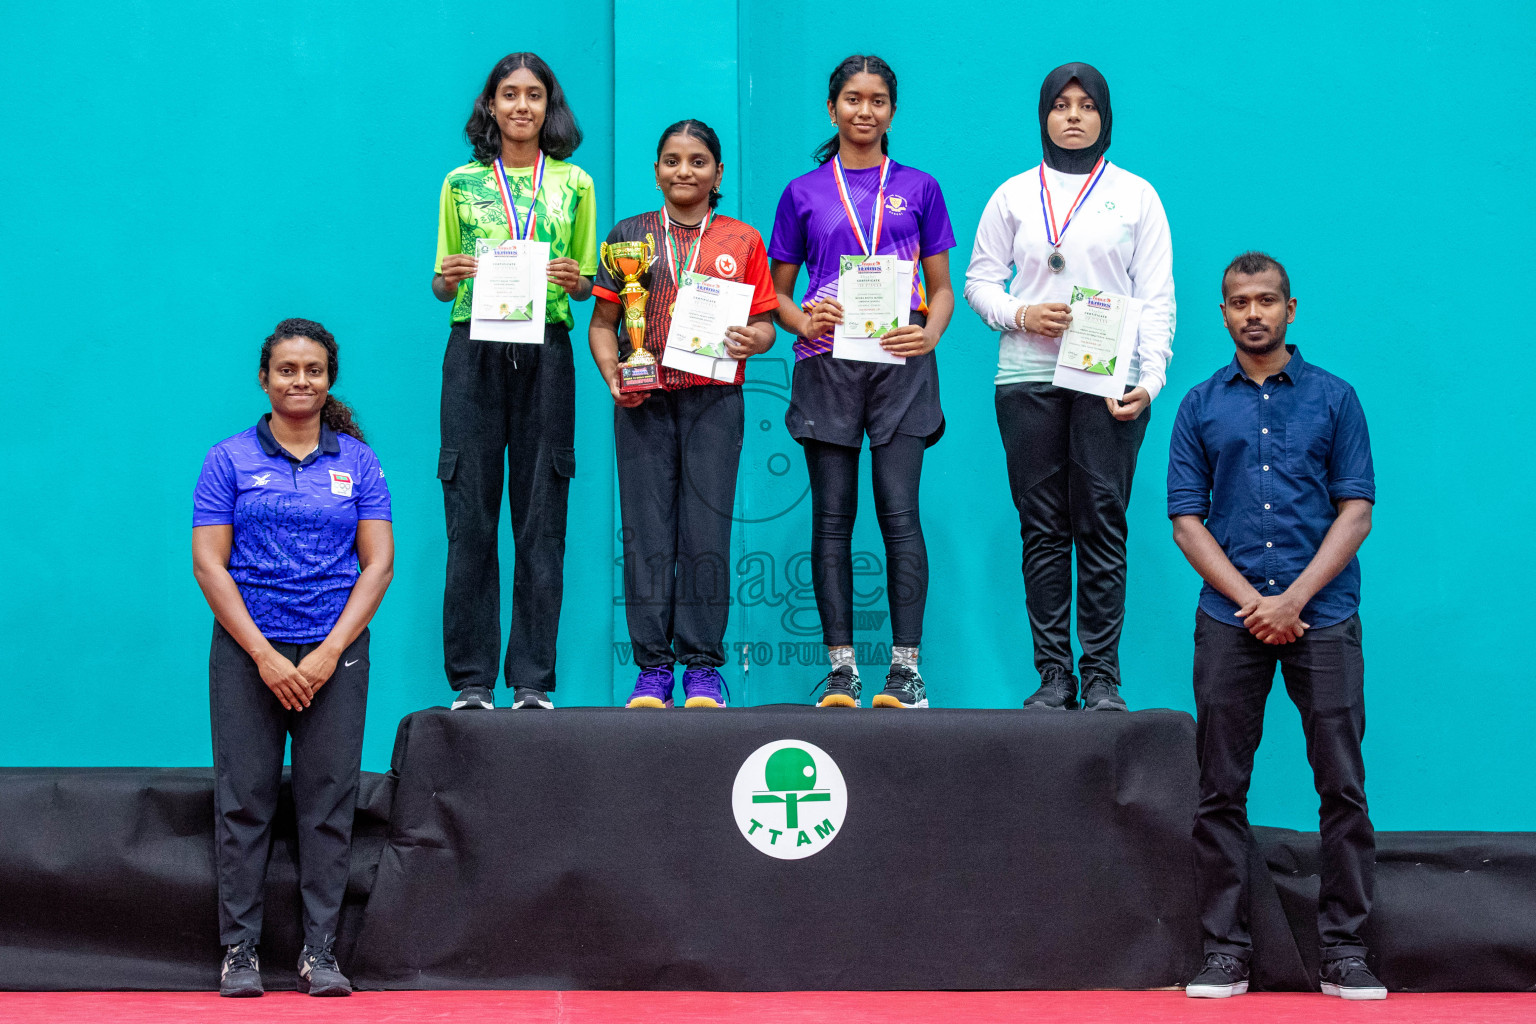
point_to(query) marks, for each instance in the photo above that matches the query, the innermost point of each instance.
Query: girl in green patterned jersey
(508, 408)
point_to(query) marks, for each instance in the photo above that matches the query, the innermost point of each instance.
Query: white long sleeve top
(1118, 242)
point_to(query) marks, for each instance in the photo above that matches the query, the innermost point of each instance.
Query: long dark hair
(336, 414)
(558, 136)
(859, 63)
(694, 128)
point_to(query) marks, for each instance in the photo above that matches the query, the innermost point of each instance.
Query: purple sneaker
(653, 689)
(702, 687)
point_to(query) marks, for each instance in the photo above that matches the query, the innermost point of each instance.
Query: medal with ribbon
(1053, 235)
(515, 225)
(675, 265)
(872, 242)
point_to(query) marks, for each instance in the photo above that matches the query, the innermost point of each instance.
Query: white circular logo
(726, 264)
(789, 799)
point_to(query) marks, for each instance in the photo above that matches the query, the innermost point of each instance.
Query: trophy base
(639, 377)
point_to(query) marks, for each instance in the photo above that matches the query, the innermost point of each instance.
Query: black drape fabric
(1075, 161)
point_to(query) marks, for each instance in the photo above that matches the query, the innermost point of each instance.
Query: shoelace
(725, 686)
(1345, 964)
(842, 677)
(242, 957)
(908, 677)
(322, 958)
(1230, 964)
(660, 678)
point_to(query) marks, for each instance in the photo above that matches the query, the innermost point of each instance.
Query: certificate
(1096, 350)
(869, 289)
(705, 308)
(848, 343)
(508, 293)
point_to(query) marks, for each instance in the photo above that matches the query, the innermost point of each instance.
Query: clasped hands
(1274, 620)
(296, 685)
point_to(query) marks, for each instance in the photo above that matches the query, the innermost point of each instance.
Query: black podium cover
(597, 848)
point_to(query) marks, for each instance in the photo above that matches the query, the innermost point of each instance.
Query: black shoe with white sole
(474, 697)
(528, 697)
(1099, 694)
(1349, 978)
(1056, 693)
(319, 974)
(241, 974)
(1221, 977)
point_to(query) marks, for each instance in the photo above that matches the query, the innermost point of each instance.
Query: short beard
(1276, 340)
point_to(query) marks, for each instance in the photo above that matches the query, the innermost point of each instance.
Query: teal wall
(284, 159)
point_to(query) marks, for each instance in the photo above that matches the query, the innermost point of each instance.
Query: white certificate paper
(848, 344)
(1096, 351)
(705, 308)
(869, 289)
(509, 291)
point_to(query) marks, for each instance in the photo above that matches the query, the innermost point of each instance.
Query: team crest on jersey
(725, 263)
(896, 204)
(341, 483)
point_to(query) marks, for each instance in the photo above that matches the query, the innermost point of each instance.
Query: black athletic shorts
(838, 401)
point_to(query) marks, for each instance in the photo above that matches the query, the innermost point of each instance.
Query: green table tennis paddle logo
(789, 799)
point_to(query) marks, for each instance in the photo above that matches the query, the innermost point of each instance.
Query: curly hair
(336, 414)
(558, 136)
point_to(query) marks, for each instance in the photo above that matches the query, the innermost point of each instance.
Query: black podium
(599, 848)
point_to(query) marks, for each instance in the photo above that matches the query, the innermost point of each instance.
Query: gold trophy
(627, 261)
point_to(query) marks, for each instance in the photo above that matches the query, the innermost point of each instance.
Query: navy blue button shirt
(1265, 465)
(293, 552)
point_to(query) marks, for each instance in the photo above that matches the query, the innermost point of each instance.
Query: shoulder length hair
(559, 136)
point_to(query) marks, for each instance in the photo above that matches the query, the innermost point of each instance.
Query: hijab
(1075, 161)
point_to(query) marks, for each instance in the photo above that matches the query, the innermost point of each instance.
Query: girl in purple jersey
(859, 201)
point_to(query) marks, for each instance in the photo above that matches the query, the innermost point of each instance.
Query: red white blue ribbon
(871, 242)
(515, 225)
(1053, 234)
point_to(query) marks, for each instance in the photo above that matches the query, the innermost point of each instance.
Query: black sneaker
(240, 977)
(1102, 695)
(1222, 976)
(319, 974)
(528, 697)
(1349, 978)
(1056, 693)
(842, 689)
(903, 689)
(474, 697)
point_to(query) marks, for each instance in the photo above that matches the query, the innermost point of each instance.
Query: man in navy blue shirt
(1270, 489)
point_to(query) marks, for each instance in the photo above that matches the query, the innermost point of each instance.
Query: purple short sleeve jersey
(294, 549)
(811, 228)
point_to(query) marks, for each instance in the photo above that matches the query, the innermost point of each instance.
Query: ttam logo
(789, 799)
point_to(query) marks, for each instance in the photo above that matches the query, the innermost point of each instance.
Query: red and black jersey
(731, 251)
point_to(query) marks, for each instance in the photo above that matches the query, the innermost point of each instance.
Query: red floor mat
(757, 1008)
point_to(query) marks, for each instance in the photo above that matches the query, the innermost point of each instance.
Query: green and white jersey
(470, 208)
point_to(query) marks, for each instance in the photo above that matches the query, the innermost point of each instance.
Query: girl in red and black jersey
(678, 446)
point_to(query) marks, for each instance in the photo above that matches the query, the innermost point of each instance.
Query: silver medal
(1056, 261)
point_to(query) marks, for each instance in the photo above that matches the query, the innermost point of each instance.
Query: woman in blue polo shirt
(292, 546)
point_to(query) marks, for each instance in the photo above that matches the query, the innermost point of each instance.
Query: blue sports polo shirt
(294, 550)
(1265, 465)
